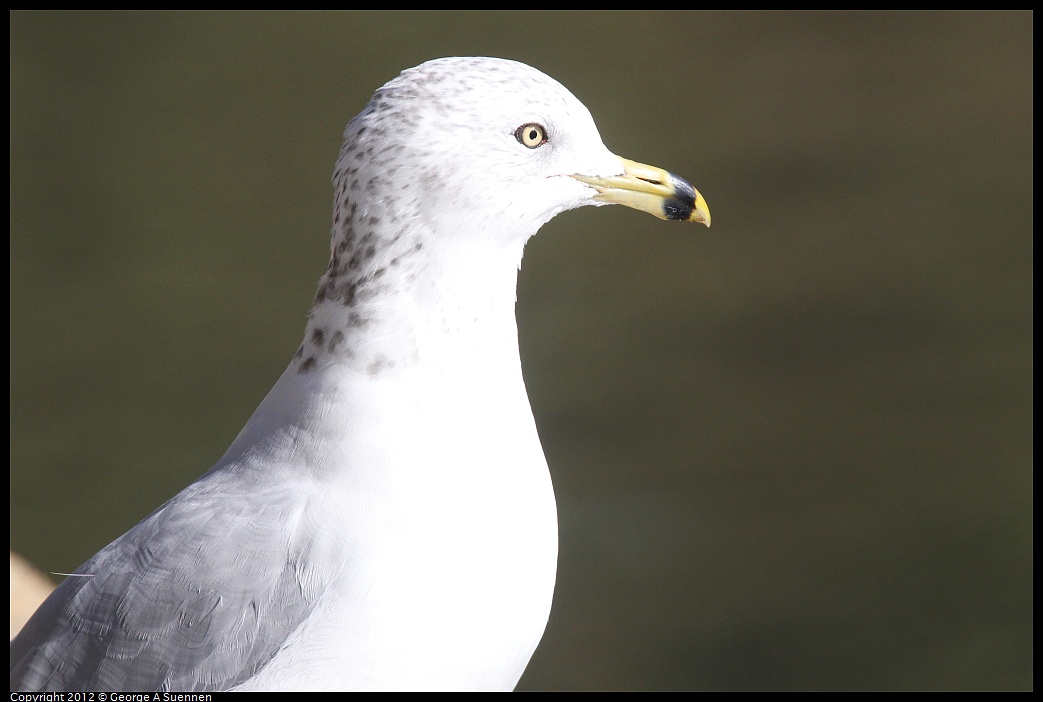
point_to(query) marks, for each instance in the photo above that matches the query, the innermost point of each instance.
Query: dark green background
(790, 452)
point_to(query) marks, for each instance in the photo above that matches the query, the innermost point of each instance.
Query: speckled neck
(398, 292)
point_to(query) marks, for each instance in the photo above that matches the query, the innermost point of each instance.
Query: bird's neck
(434, 336)
(443, 303)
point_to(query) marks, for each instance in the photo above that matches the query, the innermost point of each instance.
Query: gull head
(489, 147)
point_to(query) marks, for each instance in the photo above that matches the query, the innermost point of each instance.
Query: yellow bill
(652, 190)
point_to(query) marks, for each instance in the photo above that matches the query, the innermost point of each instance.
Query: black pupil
(532, 134)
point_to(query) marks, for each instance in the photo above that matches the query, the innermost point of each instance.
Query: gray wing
(198, 596)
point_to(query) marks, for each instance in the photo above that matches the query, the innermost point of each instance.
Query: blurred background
(790, 452)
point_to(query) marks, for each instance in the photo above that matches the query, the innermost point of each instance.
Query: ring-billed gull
(385, 520)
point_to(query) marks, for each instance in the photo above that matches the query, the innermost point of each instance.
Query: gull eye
(531, 135)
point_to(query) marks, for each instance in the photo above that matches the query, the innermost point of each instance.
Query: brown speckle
(378, 365)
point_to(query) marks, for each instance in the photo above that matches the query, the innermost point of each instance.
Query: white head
(446, 133)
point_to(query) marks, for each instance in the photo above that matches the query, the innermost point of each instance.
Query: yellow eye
(531, 135)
